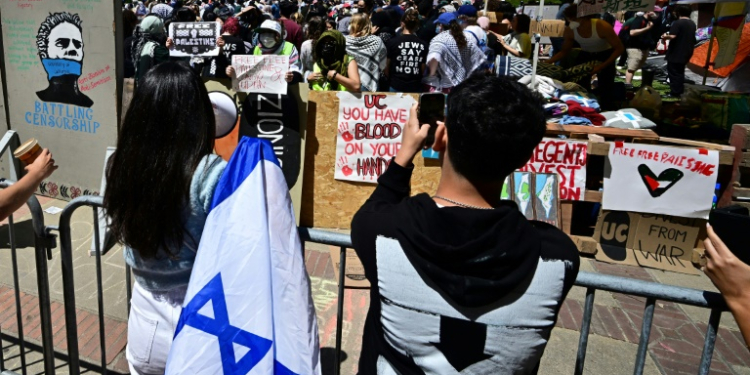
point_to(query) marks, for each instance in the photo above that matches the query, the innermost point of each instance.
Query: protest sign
(552, 28)
(262, 74)
(567, 159)
(549, 12)
(615, 233)
(369, 134)
(588, 7)
(194, 38)
(666, 242)
(523, 192)
(660, 180)
(654, 241)
(547, 198)
(60, 71)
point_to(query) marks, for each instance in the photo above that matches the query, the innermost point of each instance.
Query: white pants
(151, 328)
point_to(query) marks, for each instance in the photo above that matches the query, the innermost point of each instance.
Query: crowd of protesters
(357, 46)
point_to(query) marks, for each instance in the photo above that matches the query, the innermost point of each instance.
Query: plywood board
(60, 61)
(328, 203)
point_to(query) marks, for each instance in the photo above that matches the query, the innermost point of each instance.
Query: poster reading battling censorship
(60, 61)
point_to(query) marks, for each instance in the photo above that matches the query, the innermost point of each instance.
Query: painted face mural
(60, 45)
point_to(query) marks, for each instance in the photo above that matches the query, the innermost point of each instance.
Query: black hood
(475, 257)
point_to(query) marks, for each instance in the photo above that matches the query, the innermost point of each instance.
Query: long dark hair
(168, 129)
(458, 34)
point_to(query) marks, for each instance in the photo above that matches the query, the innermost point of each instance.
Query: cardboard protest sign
(60, 61)
(194, 38)
(666, 242)
(588, 7)
(615, 232)
(262, 74)
(369, 134)
(551, 28)
(547, 198)
(660, 180)
(567, 159)
(654, 241)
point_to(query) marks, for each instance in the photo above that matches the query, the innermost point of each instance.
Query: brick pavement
(675, 344)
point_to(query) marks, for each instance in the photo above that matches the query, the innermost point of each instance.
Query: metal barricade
(591, 281)
(43, 244)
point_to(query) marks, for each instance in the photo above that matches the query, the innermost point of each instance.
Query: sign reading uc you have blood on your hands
(369, 134)
(61, 85)
(660, 180)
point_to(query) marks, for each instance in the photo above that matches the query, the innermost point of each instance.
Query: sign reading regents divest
(60, 61)
(567, 159)
(369, 134)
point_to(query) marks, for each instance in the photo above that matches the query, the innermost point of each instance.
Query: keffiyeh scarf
(454, 65)
(370, 54)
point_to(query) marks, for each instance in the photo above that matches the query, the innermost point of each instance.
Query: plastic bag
(647, 101)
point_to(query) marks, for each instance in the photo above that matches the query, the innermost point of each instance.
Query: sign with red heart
(660, 179)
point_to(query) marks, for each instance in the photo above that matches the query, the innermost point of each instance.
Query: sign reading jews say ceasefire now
(660, 180)
(567, 159)
(369, 134)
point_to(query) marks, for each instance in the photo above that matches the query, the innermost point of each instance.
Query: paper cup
(28, 151)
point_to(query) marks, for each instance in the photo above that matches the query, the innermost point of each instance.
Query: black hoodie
(477, 261)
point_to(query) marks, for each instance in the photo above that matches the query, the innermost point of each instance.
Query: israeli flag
(248, 308)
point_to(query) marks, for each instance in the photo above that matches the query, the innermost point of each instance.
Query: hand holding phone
(431, 110)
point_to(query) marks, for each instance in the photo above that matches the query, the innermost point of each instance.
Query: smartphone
(431, 110)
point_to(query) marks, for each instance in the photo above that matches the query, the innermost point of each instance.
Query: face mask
(267, 40)
(574, 24)
(355, 10)
(61, 67)
(437, 30)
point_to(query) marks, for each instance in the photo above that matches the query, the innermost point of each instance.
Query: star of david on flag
(248, 308)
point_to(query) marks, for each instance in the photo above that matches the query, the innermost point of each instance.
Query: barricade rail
(590, 281)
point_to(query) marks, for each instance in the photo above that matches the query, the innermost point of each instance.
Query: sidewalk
(675, 345)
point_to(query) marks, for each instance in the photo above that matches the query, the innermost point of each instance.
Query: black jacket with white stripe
(456, 290)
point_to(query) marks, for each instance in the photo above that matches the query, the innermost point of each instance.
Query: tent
(698, 61)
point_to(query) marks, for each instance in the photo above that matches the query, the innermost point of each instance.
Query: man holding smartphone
(462, 279)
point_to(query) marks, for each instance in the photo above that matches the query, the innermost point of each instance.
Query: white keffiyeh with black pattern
(370, 54)
(454, 64)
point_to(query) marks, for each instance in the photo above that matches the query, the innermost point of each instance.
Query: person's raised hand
(43, 166)
(288, 77)
(230, 71)
(730, 275)
(170, 43)
(412, 138)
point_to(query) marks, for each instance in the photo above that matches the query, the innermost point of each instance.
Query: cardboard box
(655, 241)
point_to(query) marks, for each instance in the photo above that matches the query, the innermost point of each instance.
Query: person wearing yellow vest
(341, 70)
(271, 42)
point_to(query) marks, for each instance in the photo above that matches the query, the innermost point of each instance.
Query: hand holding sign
(267, 74)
